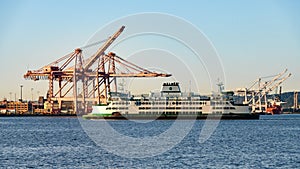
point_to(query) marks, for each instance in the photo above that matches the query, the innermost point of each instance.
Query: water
(60, 142)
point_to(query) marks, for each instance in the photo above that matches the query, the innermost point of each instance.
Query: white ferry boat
(171, 103)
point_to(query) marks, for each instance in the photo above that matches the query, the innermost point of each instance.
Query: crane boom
(103, 48)
(274, 79)
(278, 83)
(275, 85)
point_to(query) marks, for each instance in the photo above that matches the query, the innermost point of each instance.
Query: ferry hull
(198, 117)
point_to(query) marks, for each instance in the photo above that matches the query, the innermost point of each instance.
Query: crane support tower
(94, 77)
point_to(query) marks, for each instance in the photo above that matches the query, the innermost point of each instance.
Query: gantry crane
(259, 95)
(95, 75)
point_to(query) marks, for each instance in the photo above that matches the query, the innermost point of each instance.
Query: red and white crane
(95, 75)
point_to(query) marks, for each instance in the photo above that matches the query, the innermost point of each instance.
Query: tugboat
(274, 107)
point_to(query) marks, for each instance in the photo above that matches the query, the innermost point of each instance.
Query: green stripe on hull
(95, 115)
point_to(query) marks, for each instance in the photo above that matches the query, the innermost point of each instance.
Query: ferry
(171, 103)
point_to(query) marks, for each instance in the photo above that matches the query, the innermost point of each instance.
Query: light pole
(10, 95)
(31, 94)
(15, 103)
(21, 92)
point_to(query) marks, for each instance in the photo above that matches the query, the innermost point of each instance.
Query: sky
(253, 38)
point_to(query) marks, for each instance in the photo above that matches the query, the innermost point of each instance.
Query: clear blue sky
(253, 38)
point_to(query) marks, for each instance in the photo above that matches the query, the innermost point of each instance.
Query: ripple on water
(33, 142)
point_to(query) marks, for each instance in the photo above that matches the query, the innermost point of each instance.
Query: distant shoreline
(36, 115)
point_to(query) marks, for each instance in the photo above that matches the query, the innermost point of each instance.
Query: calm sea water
(52, 142)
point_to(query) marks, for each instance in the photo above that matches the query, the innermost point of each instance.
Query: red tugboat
(274, 107)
